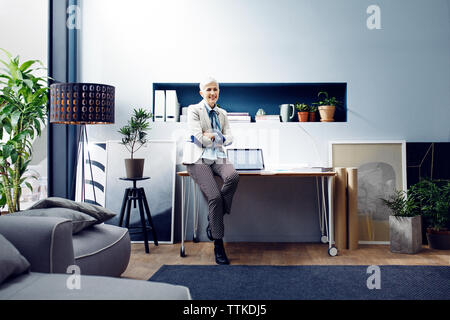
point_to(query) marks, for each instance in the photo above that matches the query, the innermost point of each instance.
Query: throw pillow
(79, 220)
(11, 261)
(97, 212)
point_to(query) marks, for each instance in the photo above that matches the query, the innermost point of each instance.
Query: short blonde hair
(207, 81)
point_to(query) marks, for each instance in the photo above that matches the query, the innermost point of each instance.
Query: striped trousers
(219, 200)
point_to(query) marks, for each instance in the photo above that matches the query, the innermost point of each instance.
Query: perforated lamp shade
(81, 103)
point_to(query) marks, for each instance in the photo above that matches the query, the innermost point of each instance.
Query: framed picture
(95, 180)
(160, 162)
(381, 170)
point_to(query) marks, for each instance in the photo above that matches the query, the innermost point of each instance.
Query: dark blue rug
(308, 282)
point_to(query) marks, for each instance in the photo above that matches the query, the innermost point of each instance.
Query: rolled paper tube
(340, 208)
(352, 187)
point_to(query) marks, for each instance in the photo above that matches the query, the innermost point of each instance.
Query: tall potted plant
(23, 109)
(134, 137)
(327, 106)
(432, 199)
(405, 225)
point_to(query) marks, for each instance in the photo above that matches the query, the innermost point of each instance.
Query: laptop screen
(246, 159)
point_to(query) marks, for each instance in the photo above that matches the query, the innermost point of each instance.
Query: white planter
(405, 234)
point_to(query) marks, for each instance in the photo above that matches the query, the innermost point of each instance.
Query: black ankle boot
(219, 252)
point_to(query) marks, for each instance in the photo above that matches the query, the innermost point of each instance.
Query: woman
(205, 157)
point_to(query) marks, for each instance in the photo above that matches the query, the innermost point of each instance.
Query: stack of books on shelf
(235, 117)
(268, 118)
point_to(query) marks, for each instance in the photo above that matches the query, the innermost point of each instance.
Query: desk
(327, 234)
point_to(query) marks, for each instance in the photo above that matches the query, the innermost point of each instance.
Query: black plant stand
(137, 194)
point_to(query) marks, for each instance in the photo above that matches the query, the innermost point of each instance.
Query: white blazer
(198, 123)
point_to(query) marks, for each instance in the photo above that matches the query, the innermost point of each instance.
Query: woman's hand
(209, 135)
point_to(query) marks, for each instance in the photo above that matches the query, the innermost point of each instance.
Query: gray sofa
(101, 250)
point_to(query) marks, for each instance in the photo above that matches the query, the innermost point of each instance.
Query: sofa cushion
(97, 212)
(11, 261)
(44, 286)
(79, 220)
(102, 250)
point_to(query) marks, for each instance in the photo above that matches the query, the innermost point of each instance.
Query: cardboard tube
(340, 208)
(352, 187)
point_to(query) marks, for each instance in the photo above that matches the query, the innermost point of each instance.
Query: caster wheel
(182, 253)
(324, 239)
(196, 239)
(333, 251)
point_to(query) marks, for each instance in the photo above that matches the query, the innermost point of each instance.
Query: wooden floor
(143, 266)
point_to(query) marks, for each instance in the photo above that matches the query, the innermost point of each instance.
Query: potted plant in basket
(134, 137)
(327, 106)
(303, 111)
(23, 109)
(432, 199)
(405, 225)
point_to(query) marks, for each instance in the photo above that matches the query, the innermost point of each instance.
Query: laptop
(246, 159)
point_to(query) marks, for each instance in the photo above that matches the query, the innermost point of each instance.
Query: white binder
(172, 106)
(160, 105)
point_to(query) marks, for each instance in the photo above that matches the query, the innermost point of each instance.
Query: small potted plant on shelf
(432, 199)
(134, 137)
(405, 224)
(327, 106)
(303, 111)
(312, 113)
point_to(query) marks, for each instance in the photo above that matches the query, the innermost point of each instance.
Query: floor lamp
(82, 104)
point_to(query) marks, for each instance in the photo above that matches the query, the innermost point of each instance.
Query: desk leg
(196, 207)
(184, 218)
(332, 250)
(323, 237)
(183, 212)
(324, 212)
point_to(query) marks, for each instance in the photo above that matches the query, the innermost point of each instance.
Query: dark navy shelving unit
(249, 97)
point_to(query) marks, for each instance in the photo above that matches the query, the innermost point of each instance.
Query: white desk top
(284, 173)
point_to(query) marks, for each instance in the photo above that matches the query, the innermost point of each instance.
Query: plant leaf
(2, 200)
(14, 156)
(29, 83)
(7, 148)
(7, 53)
(27, 64)
(15, 116)
(29, 186)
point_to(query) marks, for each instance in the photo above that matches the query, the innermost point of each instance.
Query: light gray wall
(398, 77)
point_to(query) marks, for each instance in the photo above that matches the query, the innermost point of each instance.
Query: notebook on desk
(246, 159)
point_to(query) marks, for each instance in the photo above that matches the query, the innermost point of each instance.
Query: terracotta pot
(438, 239)
(303, 116)
(312, 116)
(134, 168)
(327, 113)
